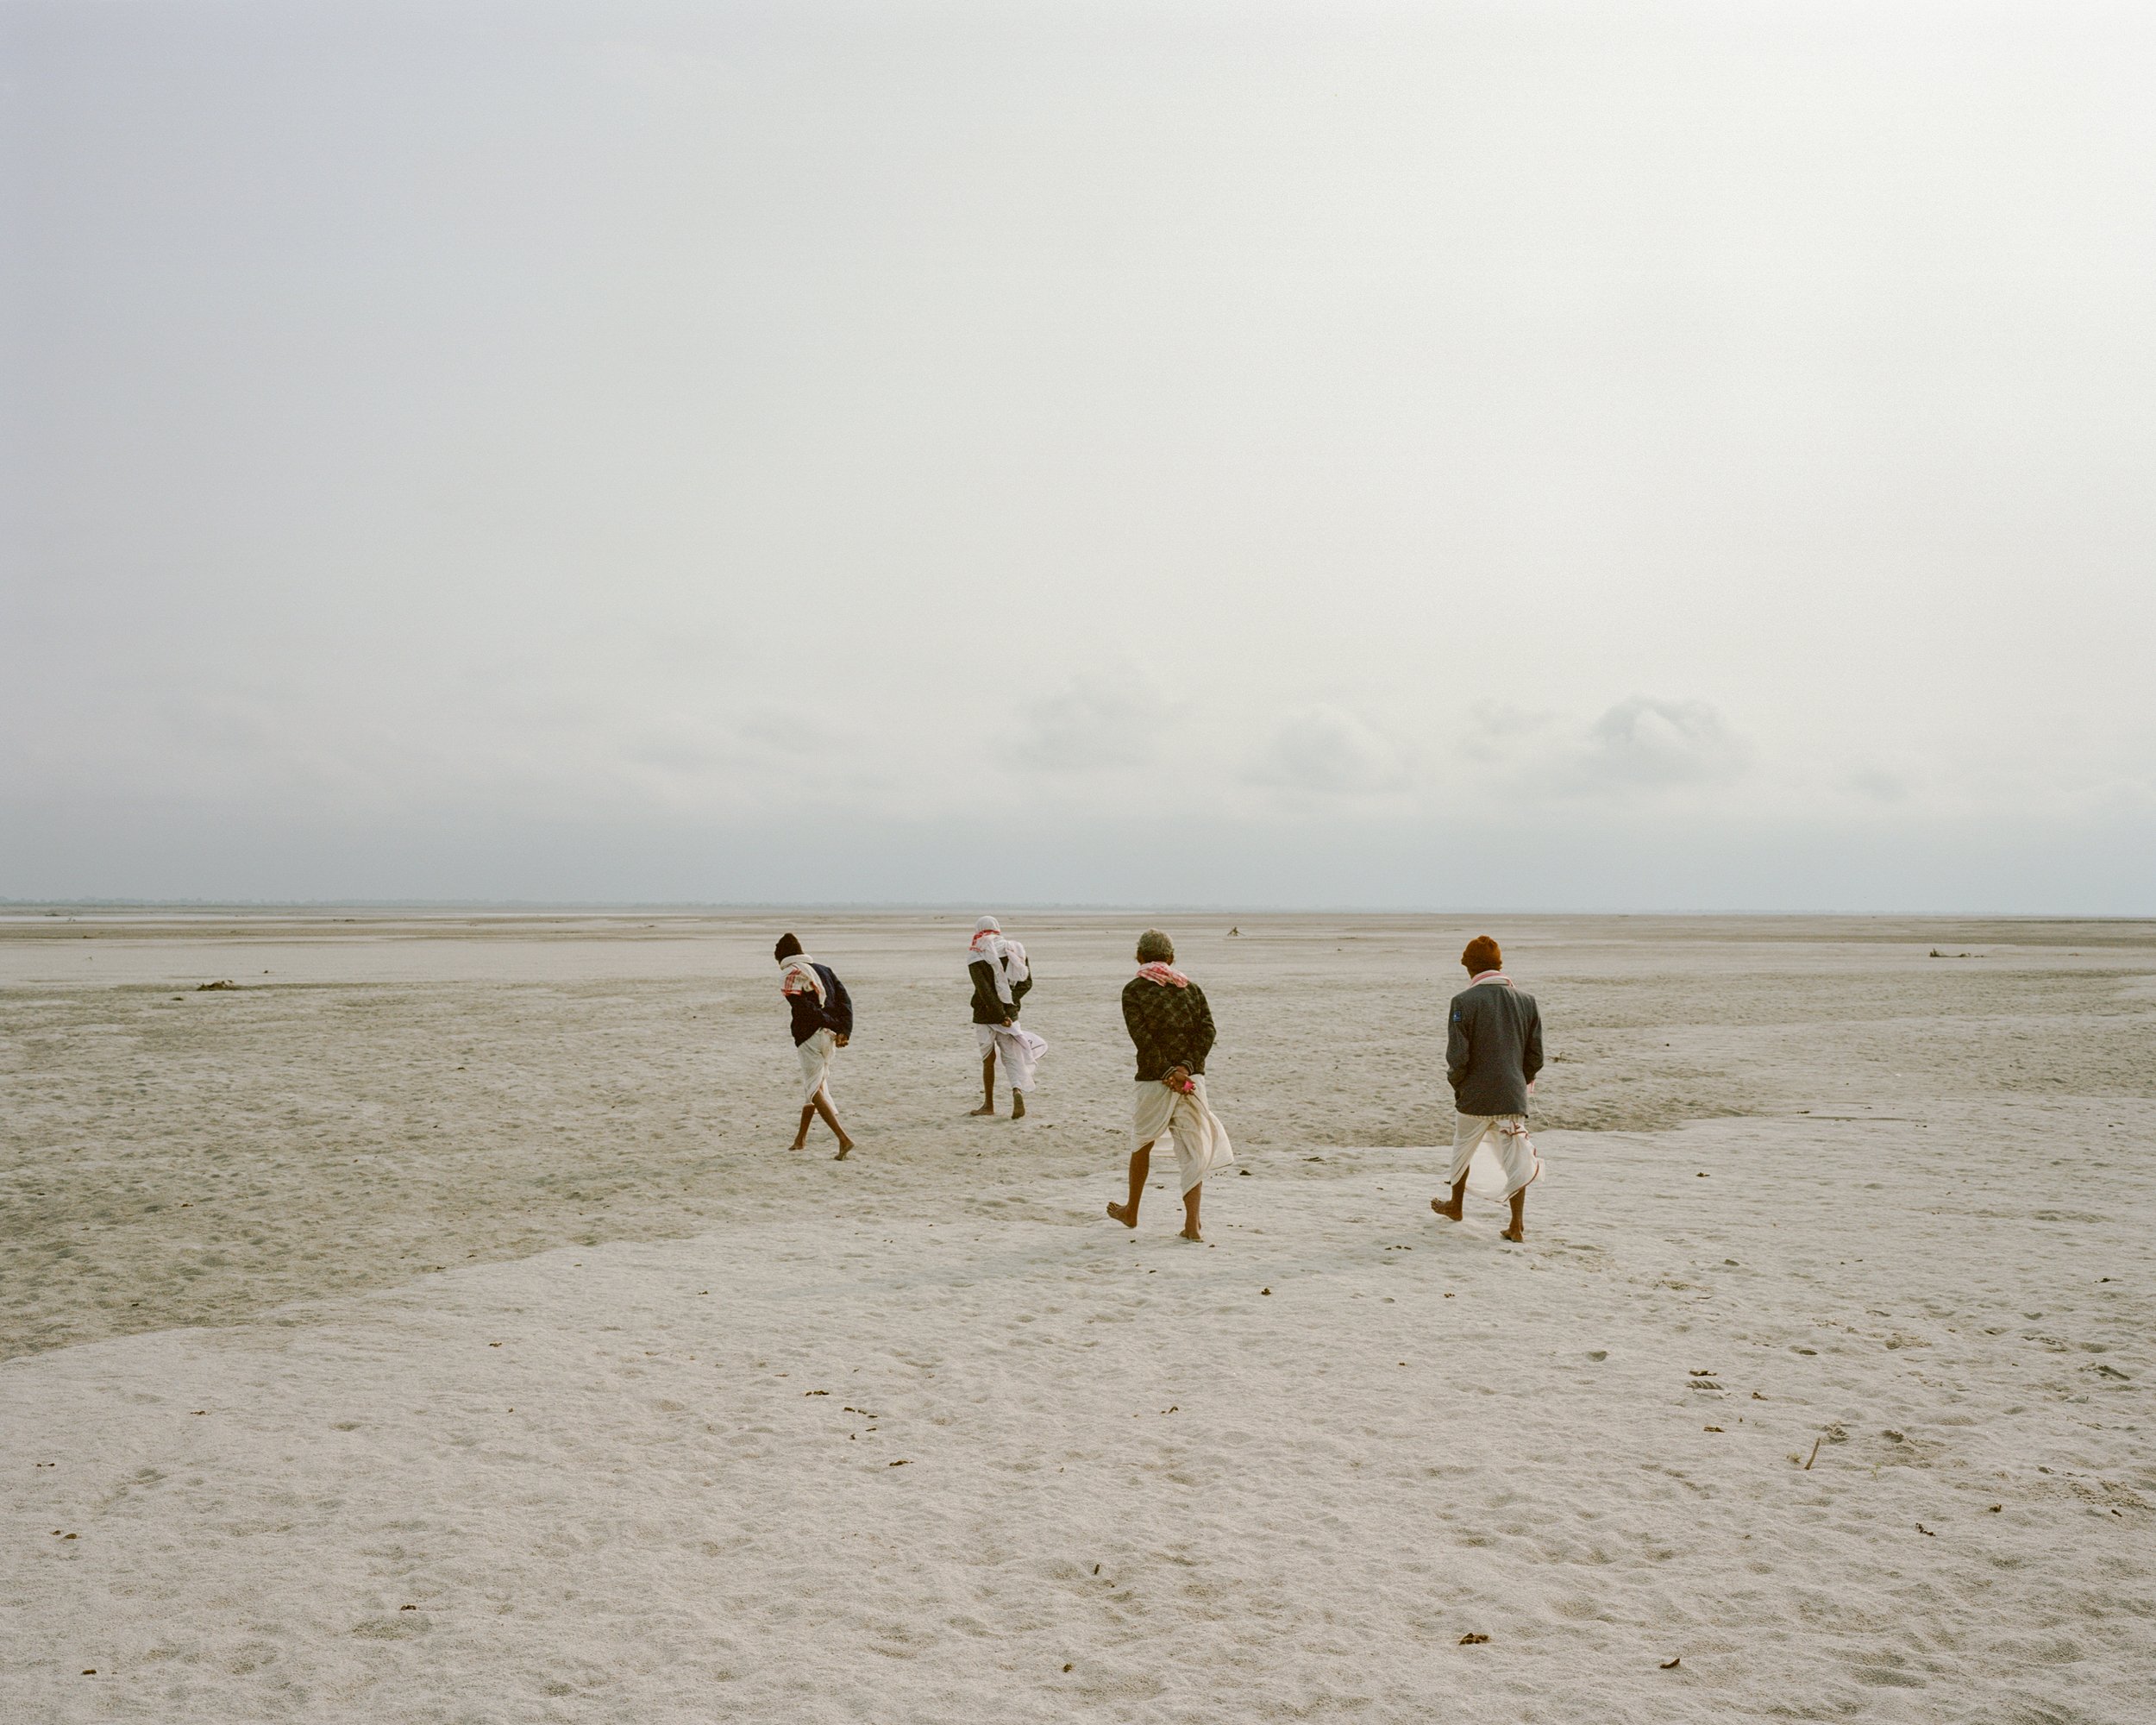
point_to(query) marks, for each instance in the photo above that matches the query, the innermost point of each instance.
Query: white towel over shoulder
(1005, 958)
(797, 975)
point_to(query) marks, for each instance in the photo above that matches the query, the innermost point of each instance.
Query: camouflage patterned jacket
(1170, 1026)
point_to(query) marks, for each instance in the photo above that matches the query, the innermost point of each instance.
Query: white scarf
(797, 975)
(1005, 958)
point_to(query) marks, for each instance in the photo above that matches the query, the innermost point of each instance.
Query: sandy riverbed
(278, 1263)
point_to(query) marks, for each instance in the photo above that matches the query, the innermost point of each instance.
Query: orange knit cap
(1483, 954)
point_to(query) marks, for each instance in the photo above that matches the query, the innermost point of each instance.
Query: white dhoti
(1016, 1050)
(816, 1065)
(1201, 1142)
(1496, 1154)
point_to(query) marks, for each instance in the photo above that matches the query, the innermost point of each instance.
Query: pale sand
(1357, 1470)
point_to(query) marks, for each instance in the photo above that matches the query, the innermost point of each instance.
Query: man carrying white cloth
(1002, 977)
(1171, 1028)
(1493, 1051)
(822, 1020)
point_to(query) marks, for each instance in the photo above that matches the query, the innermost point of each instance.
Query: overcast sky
(1494, 455)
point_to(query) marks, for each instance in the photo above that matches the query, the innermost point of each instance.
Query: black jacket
(1493, 1048)
(834, 1013)
(987, 1005)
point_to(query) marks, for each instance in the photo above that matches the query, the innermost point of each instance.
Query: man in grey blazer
(1493, 1051)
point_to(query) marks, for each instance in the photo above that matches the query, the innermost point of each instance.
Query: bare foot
(845, 1150)
(1192, 1234)
(1517, 1235)
(988, 1110)
(1451, 1213)
(1018, 1107)
(1122, 1214)
(799, 1143)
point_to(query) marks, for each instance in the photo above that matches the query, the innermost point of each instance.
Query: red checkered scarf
(1167, 975)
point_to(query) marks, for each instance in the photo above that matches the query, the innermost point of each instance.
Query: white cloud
(1328, 751)
(1878, 783)
(1104, 720)
(1644, 742)
(1643, 745)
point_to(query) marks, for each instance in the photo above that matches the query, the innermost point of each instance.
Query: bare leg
(988, 1084)
(800, 1139)
(1456, 1209)
(1518, 1231)
(823, 1106)
(1190, 1212)
(1140, 1164)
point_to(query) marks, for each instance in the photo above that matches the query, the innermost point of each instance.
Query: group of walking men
(1493, 1051)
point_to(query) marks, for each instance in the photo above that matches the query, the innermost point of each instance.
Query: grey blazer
(1493, 1048)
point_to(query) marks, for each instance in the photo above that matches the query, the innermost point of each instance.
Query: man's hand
(1176, 1077)
(840, 1041)
(1008, 1019)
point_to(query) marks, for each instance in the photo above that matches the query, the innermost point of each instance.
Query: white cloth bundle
(1011, 966)
(1201, 1142)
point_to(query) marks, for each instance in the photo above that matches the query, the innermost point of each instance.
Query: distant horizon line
(896, 906)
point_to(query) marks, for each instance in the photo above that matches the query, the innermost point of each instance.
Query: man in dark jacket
(1171, 1030)
(1002, 977)
(1493, 1051)
(822, 1020)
